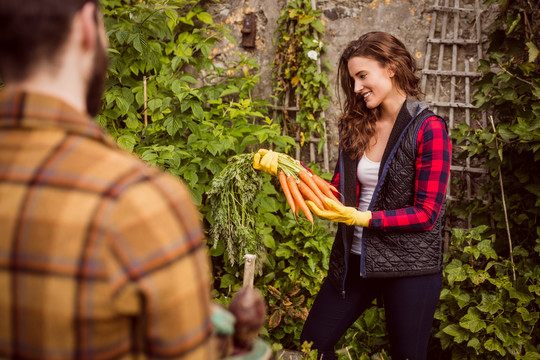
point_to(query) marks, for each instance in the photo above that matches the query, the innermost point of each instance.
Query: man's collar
(31, 110)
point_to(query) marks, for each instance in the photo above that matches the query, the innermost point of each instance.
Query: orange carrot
(326, 188)
(286, 191)
(298, 198)
(309, 194)
(307, 178)
(296, 206)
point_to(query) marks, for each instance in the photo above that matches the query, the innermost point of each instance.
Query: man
(100, 256)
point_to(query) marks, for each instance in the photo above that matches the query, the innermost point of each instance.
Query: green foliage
(232, 194)
(198, 114)
(198, 117)
(509, 91)
(295, 69)
(300, 261)
(366, 339)
(294, 268)
(168, 103)
(483, 314)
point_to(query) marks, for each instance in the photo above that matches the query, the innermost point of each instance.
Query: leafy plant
(296, 71)
(290, 302)
(509, 91)
(293, 270)
(483, 313)
(366, 339)
(168, 102)
(489, 303)
(234, 198)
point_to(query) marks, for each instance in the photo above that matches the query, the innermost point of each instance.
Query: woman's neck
(389, 110)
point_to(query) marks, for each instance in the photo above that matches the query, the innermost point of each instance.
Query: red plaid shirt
(432, 170)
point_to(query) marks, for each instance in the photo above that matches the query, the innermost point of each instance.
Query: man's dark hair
(32, 31)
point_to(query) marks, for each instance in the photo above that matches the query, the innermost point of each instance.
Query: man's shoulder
(119, 171)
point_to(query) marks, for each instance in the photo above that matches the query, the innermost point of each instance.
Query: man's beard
(96, 83)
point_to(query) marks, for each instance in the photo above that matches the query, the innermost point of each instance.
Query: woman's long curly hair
(357, 123)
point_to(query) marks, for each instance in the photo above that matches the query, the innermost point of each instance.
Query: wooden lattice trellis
(456, 33)
(454, 49)
(314, 139)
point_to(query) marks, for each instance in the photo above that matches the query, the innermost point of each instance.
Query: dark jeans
(409, 304)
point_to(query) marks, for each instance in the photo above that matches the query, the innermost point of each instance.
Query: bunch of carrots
(300, 185)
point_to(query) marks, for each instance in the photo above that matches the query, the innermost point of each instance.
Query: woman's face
(372, 81)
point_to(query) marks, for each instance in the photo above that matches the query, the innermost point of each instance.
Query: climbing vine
(490, 304)
(299, 77)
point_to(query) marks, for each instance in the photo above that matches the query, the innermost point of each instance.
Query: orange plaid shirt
(101, 256)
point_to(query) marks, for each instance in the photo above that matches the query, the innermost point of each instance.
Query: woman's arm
(432, 170)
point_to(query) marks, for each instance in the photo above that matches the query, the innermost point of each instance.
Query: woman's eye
(363, 76)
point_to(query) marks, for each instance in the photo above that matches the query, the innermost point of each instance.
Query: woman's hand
(341, 213)
(267, 161)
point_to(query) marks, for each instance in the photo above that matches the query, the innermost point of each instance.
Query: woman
(392, 174)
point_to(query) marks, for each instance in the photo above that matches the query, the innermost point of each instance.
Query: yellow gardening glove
(340, 213)
(267, 161)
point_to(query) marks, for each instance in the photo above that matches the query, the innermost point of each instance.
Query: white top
(368, 175)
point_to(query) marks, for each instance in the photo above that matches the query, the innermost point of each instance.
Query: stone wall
(345, 20)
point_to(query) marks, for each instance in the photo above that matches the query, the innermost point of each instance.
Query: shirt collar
(33, 111)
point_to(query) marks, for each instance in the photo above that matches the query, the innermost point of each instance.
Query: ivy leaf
(490, 303)
(487, 250)
(494, 345)
(523, 298)
(457, 332)
(294, 81)
(472, 320)
(475, 344)
(514, 24)
(531, 355)
(455, 271)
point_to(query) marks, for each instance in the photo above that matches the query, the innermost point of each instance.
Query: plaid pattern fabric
(101, 256)
(432, 170)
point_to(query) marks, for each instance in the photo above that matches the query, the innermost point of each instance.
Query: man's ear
(89, 25)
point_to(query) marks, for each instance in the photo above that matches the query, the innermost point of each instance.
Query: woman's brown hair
(357, 123)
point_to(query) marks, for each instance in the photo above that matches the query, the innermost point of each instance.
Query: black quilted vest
(389, 253)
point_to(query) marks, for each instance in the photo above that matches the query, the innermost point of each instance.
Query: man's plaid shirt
(101, 256)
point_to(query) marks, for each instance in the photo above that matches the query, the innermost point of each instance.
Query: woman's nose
(357, 86)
